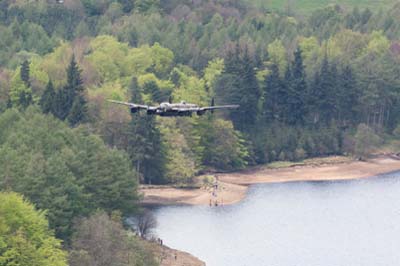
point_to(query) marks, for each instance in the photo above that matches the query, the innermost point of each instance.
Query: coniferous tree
(157, 95)
(154, 162)
(25, 98)
(297, 90)
(328, 85)
(78, 112)
(61, 106)
(348, 96)
(9, 103)
(22, 92)
(70, 102)
(232, 61)
(136, 130)
(25, 73)
(145, 146)
(321, 94)
(47, 100)
(273, 94)
(243, 90)
(285, 102)
(74, 85)
(251, 90)
(334, 85)
(314, 94)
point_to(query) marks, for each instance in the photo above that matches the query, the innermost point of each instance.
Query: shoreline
(232, 187)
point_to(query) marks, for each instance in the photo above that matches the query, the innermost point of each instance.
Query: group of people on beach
(164, 254)
(214, 193)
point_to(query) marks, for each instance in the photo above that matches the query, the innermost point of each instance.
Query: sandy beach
(232, 187)
(171, 257)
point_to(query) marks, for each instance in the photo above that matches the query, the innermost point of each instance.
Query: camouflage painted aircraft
(174, 109)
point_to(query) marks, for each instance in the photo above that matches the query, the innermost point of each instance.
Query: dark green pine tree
(9, 103)
(47, 100)
(25, 97)
(328, 85)
(157, 95)
(251, 94)
(70, 101)
(322, 94)
(243, 89)
(61, 106)
(297, 90)
(78, 112)
(153, 166)
(127, 5)
(73, 88)
(284, 102)
(25, 73)
(314, 94)
(333, 93)
(274, 93)
(348, 96)
(233, 61)
(145, 146)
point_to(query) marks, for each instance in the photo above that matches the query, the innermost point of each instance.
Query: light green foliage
(366, 141)
(101, 240)
(68, 172)
(190, 88)
(19, 92)
(212, 71)
(310, 50)
(109, 90)
(378, 44)
(109, 67)
(351, 45)
(126, 61)
(223, 147)
(139, 60)
(277, 54)
(55, 63)
(162, 59)
(164, 85)
(180, 159)
(25, 239)
(39, 78)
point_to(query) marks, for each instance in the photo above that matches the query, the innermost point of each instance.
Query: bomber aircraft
(174, 109)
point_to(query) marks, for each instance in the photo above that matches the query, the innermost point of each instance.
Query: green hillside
(306, 6)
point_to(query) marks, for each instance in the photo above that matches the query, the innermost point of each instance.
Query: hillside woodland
(322, 80)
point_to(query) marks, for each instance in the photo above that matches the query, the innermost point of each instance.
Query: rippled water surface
(294, 224)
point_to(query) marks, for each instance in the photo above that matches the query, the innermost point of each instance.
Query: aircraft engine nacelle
(201, 112)
(134, 110)
(151, 112)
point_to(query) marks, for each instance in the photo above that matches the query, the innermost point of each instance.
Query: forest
(317, 82)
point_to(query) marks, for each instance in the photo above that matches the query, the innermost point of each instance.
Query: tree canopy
(25, 237)
(68, 172)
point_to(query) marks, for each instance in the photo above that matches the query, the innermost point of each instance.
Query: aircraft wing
(131, 105)
(188, 109)
(233, 106)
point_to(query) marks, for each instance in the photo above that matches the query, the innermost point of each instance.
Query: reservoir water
(349, 223)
